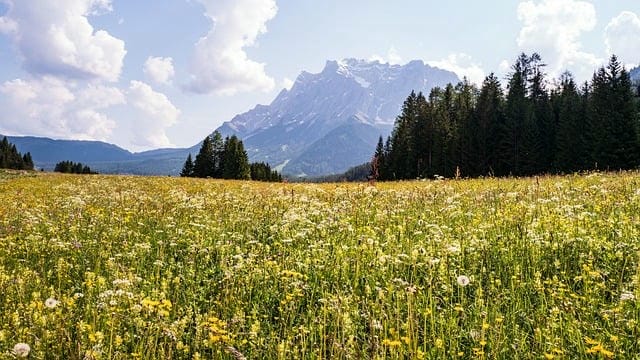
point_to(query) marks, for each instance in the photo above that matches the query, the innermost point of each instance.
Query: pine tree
(613, 116)
(541, 142)
(188, 168)
(488, 120)
(571, 152)
(218, 154)
(204, 166)
(378, 169)
(236, 161)
(518, 147)
(464, 105)
(27, 162)
(402, 156)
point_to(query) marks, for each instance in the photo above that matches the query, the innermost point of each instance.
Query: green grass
(158, 268)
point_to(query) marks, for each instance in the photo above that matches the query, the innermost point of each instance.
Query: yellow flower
(391, 343)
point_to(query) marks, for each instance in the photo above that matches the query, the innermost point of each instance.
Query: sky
(149, 74)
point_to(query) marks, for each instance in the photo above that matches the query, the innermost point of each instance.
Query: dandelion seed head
(51, 303)
(463, 280)
(21, 350)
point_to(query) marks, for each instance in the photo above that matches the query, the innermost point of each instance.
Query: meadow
(114, 267)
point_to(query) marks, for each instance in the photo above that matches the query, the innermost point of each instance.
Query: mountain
(100, 156)
(331, 121)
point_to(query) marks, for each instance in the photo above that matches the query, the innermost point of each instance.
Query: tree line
(69, 167)
(532, 128)
(226, 159)
(11, 158)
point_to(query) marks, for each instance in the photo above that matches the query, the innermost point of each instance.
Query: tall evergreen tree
(518, 124)
(218, 154)
(188, 168)
(378, 161)
(571, 152)
(402, 153)
(464, 105)
(613, 118)
(542, 129)
(236, 161)
(488, 120)
(204, 166)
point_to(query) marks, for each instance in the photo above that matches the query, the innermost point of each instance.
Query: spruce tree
(378, 161)
(204, 165)
(541, 141)
(488, 120)
(517, 149)
(218, 154)
(236, 161)
(571, 152)
(188, 168)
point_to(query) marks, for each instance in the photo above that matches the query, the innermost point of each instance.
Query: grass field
(109, 267)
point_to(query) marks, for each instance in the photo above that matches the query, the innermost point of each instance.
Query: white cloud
(287, 83)
(553, 28)
(622, 37)
(392, 57)
(156, 112)
(220, 63)
(463, 65)
(159, 70)
(504, 66)
(49, 106)
(65, 109)
(55, 38)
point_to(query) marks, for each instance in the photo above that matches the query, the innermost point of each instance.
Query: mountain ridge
(345, 91)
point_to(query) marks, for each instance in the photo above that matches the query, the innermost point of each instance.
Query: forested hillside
(535, 126)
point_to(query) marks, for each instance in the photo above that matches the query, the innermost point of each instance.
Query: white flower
(463, 280)
(453, 249)
(627, 295)
(51, 303)
(21, 350)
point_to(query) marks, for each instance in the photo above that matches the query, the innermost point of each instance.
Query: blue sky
(146, 74)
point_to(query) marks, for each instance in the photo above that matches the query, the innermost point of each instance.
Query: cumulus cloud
(53, 107)
(220, 63)
(66, 109)
(287, 83)
(393, 57)
(553, 29)
(463, 65)
(156, 112)
(158, 69)
(622, 37)
(55, 38)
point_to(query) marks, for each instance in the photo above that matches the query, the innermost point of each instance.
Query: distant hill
(635, 74)
(100, 156)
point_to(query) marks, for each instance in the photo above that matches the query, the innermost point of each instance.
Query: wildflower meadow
(115, 267)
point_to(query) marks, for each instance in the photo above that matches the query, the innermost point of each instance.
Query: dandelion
(21, 350)
(51, 303)
(463, 280)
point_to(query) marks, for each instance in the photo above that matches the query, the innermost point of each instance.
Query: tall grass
(106, 267)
